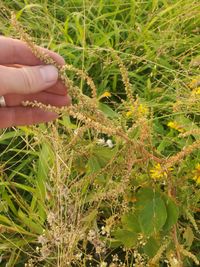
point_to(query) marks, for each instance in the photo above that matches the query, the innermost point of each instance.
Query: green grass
(56, 197)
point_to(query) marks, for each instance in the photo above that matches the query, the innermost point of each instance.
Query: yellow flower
(196, 91)
(196, 173)
(105, 94)
(175, 125)
(138, 110)
(142, 110)
(194, 83)
(129, 113)
(157, 172)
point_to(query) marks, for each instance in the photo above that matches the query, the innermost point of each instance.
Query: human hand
(24, 77)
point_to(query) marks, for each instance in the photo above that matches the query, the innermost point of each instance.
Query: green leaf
(8, 198)
(172, 213)
(126, 237)
(130, 222)
(93, 165)
(5, 220)
(113, 243)
(151, 247)
(108, 111)
(45, 162)
(104, 153)
(34, 227)
(11, 134)
(5, 223)
(164, 144)
(99, 158)
(3, 206)
(145, 195)
(187, 124)
(188, 235)
(65, 121)
(153, 216)
(90, 217)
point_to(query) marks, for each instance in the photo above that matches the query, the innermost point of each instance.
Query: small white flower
(76, 132)
(103, 264)
(109, 143)
(42, 239)
(78, 255)
(101, 142)
(103, 230)
(175, 261)
(91, 235)
(115, 257)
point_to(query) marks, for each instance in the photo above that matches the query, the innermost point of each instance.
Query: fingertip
(58, 89)
(49, 74)
(69, 100)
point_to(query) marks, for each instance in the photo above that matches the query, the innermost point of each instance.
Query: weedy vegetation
(115, 180)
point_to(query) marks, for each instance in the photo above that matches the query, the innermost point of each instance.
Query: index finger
(24, 116)
(14, 51)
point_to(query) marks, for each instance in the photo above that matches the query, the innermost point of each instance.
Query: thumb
(27, 80)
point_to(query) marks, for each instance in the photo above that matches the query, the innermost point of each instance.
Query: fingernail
(49, 73)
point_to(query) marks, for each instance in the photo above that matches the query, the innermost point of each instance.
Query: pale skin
(22, 77)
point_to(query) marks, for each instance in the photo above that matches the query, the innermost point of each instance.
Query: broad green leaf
(153, 216)
(151, 247)
(99, 158)
(104, 153)
(93, 165)
(113, 243)
(126, 237)
(188, 235)
(130, 222)
(108, 111)
(172, 213)
(144, 195)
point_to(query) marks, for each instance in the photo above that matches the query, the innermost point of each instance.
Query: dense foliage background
(73, 193)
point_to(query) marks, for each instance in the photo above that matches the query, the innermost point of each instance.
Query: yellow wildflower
(196, 173)
(158, 172)
(129, 113)
(105, 94)
(194, 83)
(175, 125)
(142, 110)
(196, 91)
(138, 110)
